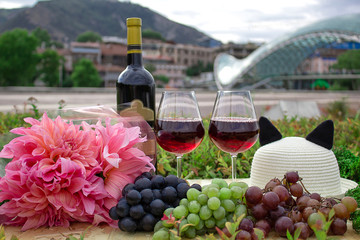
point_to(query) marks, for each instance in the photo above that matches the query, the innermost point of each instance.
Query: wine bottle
(136, 88)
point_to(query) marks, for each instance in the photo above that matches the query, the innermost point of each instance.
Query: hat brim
(346, 184)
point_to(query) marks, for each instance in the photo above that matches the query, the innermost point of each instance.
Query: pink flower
(61, 172)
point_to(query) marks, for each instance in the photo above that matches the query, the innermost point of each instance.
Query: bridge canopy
(283, 56)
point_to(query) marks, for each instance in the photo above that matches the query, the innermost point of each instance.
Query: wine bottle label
(137, 108)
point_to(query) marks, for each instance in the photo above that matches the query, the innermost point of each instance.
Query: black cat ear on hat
(268, 132)
(323, 134)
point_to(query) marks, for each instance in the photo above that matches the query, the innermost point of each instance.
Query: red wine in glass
(179, 136)
(233, 135)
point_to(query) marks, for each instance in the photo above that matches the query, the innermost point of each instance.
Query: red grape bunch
(286, 205)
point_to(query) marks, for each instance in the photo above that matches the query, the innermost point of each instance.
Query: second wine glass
(233, 125)
(178, 126)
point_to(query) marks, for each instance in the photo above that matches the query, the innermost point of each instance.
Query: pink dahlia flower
(61, 172)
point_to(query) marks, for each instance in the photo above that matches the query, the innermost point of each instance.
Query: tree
(43, 36)
(85, 74)
(89, 36)
(18, 58)
(148, 33)
(49, 67)
(349, 61)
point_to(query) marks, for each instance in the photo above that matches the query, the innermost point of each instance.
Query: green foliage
(49, 67)
(320, 84)
(18, 58)
(85, 74)
(349, 164)
(198, 68)
(349, 60)
(148, 33)
(89, 36)
(338, 109)
(207, 161)
(43, 36)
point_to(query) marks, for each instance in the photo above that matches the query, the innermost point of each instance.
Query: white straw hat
(315, 163)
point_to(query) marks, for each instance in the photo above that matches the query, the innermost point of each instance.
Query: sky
(240, 20)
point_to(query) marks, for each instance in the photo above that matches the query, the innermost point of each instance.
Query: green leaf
(288, 235)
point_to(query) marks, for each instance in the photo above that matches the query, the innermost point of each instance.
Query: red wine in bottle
(136, 88)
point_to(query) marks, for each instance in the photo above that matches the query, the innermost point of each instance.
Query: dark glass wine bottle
(136, 86)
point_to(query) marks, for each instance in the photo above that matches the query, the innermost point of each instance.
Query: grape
(338, 226)
(192, 194)
(277, 213)
(205, 212)
(184, 202)
(148, 222)
(219, 213)
(142, 183)
(315, 220)
(325, 211)
(253, 195)
(133, 197)
(240, 210)
(180, 211)
(228, 205)
(113, 214)
(122, 208)
(158, 182)
(292, 177)
(156, 193)
(246, 224)
(295, 215)
(225, 193)
(213, 192)
(220, 182)
(272, 184)
(237, 192)
(191, 232)
(239, 184)
(147, 196)
(307, 212)
(194, 207)
(171, 180)
(137, 211)
(127, 188)
(243, 235)
(296, 190)
(220, 223)
(341, 211)
(210, 223)
(168, 211)
(271, 200)
(182, 189)
(282, 192)
(169, 194)
(259, 211)
(305, 230)
(263, 224)
(157, 207)
(213, 203)
(313, 203)
(148, 175)
(161, 235)
(350, 204)
(182, 225)
(315, 196)
(127, 224)
(202, 199)
(282, 225)
(193, 219)
(158, 226)
(302, 202)
(200, 225)
(196, 186)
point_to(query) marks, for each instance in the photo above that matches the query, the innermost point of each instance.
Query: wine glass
(233, 124)
(178, 126)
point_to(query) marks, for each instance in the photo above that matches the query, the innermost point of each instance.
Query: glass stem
(178, 160)
(233, 167)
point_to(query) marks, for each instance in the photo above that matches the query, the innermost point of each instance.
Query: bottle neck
(134, 59)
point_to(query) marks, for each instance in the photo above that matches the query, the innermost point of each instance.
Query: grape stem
(303, 186)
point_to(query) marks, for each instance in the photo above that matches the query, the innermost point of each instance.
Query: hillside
(66, 19)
